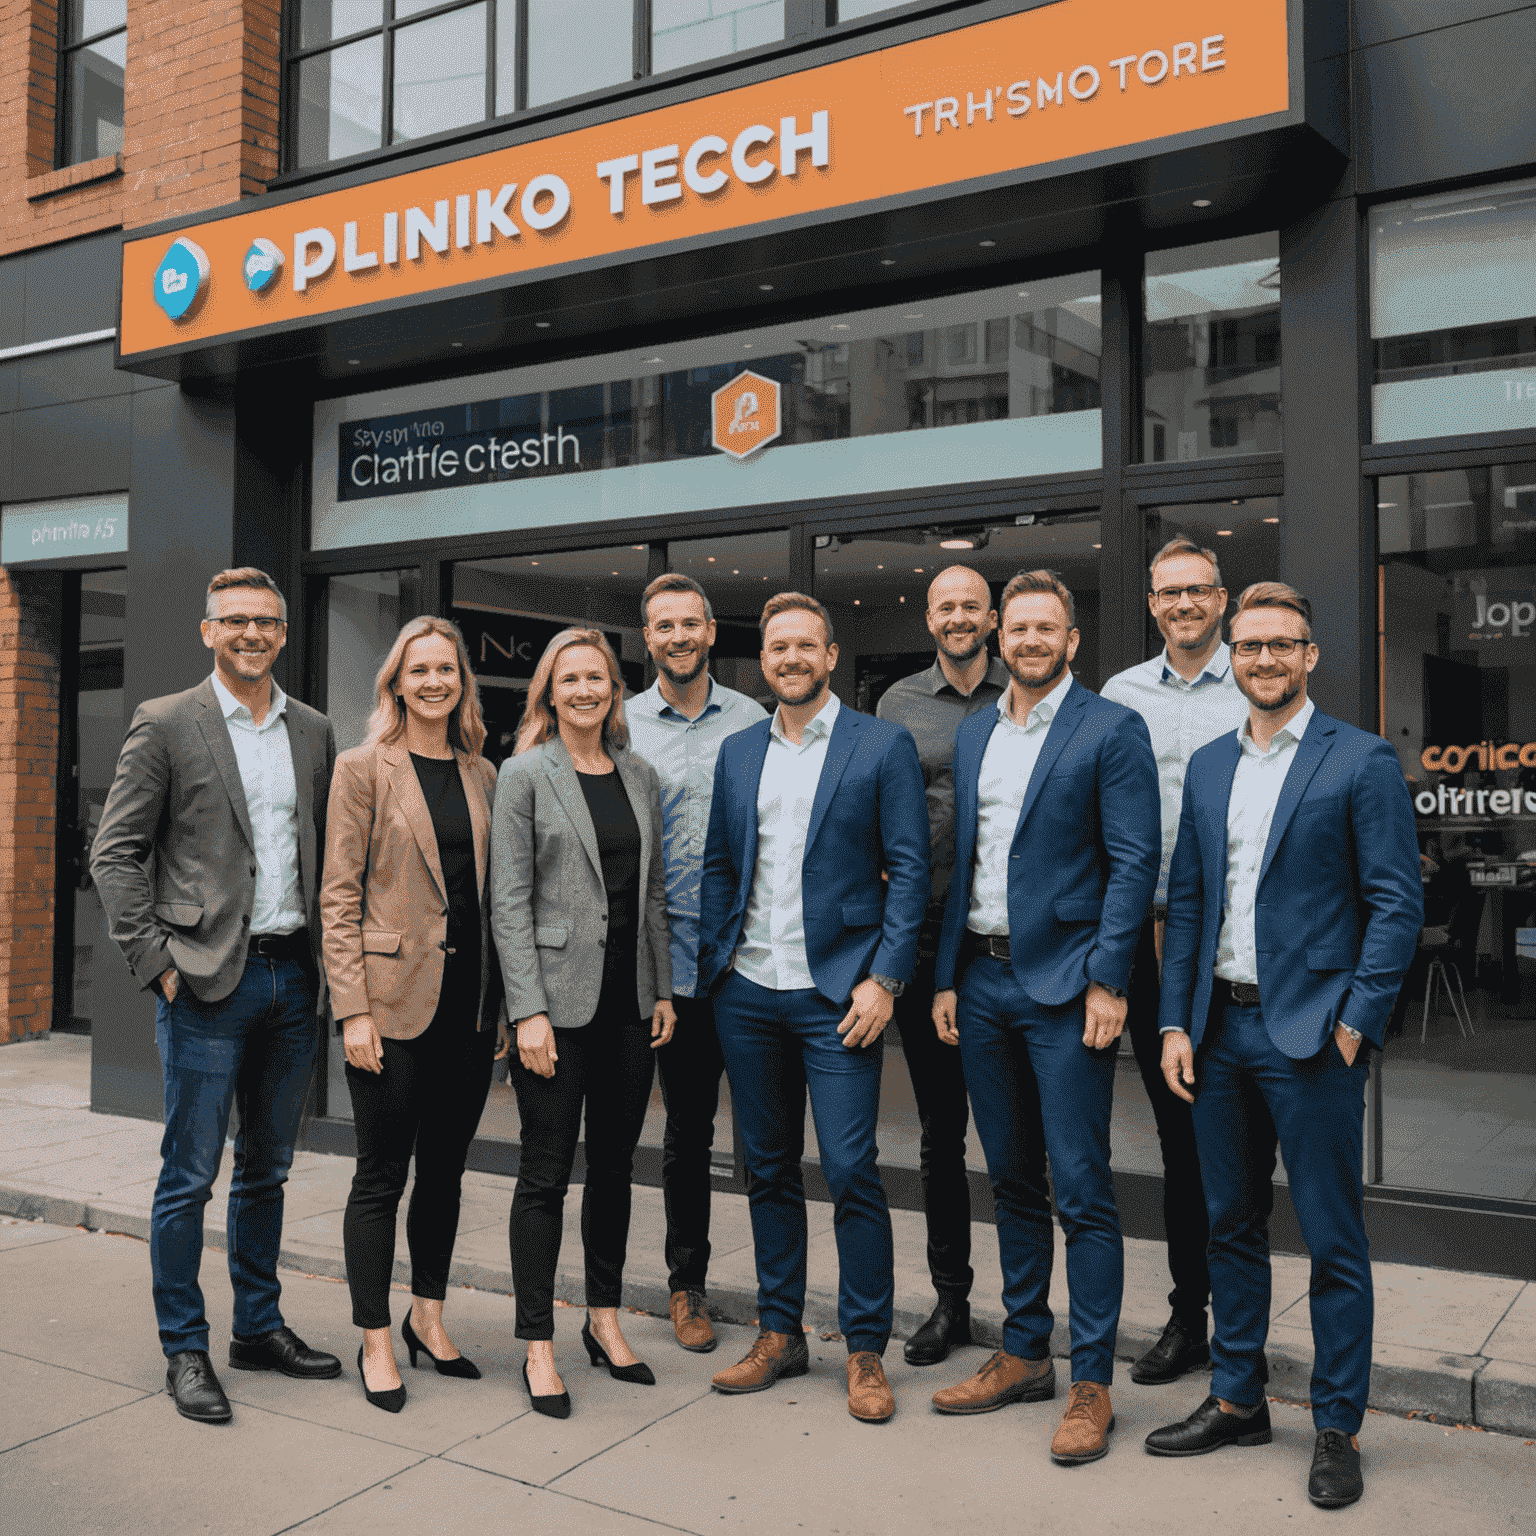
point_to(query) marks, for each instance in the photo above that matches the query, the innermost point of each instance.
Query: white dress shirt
(772, 947)
(1006, 766)
(1256, 787)
(1182, 717)
(272, 799)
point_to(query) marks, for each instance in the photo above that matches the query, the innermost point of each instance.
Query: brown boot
(690, 1322)
(1085, 1427)
(869, 1394)
(1003, 1379)
(772, 1355)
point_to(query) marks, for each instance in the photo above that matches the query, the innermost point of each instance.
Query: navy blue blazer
(1340, 902)
(1085, 854)
(870, 815)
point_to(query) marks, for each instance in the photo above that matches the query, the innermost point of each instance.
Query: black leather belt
(1243, 993)
(280, 946)
(994, 944)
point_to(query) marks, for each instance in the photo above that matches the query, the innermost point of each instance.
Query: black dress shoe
(1208, 1429)
(947, 1329)
(283, 1350)
(553, 1405)
(465, 1370)
(391, 1399)
(190, 1380)
(1335, 1478)
(1179, 1349)
(639, 1374)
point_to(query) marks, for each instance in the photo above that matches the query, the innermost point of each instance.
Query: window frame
(65, 51)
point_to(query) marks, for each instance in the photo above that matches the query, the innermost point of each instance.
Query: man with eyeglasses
(207, 862)
(1294, 908)
(1188, 697)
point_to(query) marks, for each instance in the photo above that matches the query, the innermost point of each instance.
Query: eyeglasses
(1279, 649)
(1198, 593)
(237, 623)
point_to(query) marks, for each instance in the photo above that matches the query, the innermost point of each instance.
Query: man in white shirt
(804, 945)
(207, 862)
(1188, 696)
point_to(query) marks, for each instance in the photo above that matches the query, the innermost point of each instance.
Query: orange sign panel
(1075, 78)
(746, 414)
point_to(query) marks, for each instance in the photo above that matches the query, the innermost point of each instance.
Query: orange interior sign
(1074, 78)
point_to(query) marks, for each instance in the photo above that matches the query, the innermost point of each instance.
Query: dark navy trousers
(776, 1046)
(1250, 1097)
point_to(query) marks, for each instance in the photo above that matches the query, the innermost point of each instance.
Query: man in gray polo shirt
(931, 704)
(677, 726)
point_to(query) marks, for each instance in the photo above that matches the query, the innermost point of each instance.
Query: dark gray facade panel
(76, 373)
(6, 493)
(1446, 104)
(8, 384)
(72, 288)
(13, 290)
(1380, 21)
(80, 449)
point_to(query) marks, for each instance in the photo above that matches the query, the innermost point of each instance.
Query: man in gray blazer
(207, 863)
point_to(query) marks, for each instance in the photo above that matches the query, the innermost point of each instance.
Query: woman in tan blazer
(579, 913)
(414, 981)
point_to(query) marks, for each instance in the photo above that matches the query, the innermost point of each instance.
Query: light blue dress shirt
(683, 753)
(1182, 716)
(772, 947)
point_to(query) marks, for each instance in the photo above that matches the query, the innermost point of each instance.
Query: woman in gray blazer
(578, 913)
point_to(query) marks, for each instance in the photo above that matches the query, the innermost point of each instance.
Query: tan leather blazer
(384, 901)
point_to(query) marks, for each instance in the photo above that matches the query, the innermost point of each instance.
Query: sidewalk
(1458, 1348)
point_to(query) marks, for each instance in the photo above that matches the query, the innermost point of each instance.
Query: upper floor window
(93, 49)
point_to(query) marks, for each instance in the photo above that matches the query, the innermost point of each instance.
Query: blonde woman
(413, 981)
(578, 909)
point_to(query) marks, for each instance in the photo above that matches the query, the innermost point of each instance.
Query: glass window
(91, 63)
(575, 46)
(1453, 313)
(1458, 593)
(439, 74)
(363, 615)
(851, 10)
(690, 31)
(339, 103)
(323, 21)
(506, 57)
(1211, 350)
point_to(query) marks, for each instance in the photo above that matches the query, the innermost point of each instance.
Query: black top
(618, 846)
(442, 786)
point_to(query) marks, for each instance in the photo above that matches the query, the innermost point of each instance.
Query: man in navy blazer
(1057, 849)
(815, 880)
(1294, 908)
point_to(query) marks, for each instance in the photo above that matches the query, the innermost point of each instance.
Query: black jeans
(690, 1067)
(938, 1085)
(426, 1101)
(1184, 1216)
(609, 1066)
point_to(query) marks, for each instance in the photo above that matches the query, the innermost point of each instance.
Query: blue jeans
(1038, 1091)
(1249, 1097)
(776, 1045)
(255, 1048)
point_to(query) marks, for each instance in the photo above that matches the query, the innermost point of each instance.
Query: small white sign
(55, 530)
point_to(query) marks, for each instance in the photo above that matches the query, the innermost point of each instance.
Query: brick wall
(29, 743)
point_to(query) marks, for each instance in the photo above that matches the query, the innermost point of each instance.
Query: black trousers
(690, 1066)
(1184, 1215)
(427, 1102)
(607, 1066)
(938, 1085)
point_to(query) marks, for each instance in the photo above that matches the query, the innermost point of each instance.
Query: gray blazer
(174, 859)
(549, 907)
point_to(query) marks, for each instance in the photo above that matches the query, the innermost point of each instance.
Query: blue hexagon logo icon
(181, 279)
(262, 264)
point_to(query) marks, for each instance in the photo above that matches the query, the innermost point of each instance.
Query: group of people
(1010, 867)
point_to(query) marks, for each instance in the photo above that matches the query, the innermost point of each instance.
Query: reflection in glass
(691, 31)
(1212, 350)
(575, 46)
(89, 18)
(506, 57)
(851, 10)
(321, 20)
(93, 96)
(339, 102)
(439, 74)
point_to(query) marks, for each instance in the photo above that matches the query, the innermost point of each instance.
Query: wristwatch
(895, 988)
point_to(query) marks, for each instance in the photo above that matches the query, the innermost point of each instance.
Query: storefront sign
(1447, 801)
(1071, 79)
(1484, 755)
(745, 414)
(54, 530)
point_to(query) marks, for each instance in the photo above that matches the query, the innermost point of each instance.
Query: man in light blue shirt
(1188, 697)
(677, 725)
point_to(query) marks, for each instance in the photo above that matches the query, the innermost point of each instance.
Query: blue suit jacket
(1340, 902)
(870, 815)
(1085, 853)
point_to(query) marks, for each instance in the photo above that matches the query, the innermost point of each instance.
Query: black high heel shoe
(639, 1373)
(467, 1369)
(553, 1405)
(391, 1401)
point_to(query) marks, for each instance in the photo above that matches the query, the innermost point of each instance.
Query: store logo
(262, 263)
(1483, 755)
(181, 279)
(1491, 619)
(746, 414)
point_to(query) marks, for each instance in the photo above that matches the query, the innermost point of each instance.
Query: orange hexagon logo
(746, 414)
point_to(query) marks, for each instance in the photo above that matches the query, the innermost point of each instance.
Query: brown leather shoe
(690, 1322)
(772, 1355)
(869, 1394)
(1003, 1379)
(1085, 1427)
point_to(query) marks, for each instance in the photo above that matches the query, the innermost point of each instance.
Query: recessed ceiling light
(1202, 202)
(985, 243)
(710, 558)
(735, 572)
(615, 573)
(879, 567)
(840, 327)
(1023, 293)
(911, 317)
(747, 346)
(901, 599)
(1223, 533)
(1098, 546)
(855, 602)
(1271, 519)
(542, 325)
(765, 287)
(455, 343)
(353, 362)
(957, 544)
(533, 562)
(917, 569)
(887, 261)
(637, 546)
